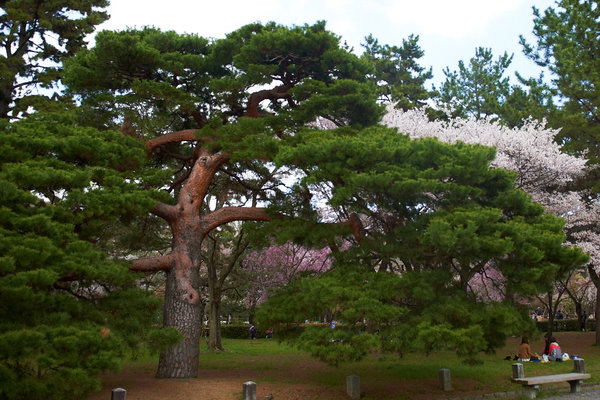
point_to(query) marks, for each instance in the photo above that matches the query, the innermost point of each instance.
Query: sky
(448, 30)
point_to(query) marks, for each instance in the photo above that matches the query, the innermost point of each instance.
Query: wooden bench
(532, 384)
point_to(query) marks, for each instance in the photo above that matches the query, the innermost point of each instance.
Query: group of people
(539, 314)
(551, 352)
(252, 330)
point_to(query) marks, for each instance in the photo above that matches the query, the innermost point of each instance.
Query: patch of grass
(261, 354)
(418, 370)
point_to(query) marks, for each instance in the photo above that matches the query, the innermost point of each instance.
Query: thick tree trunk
(182, 360)
(182, 299)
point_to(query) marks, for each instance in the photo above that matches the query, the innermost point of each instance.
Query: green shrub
(236, 331)
(242, 331)
(566, 325)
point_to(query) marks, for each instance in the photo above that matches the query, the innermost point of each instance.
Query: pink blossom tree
(276, 266)
(489, 284)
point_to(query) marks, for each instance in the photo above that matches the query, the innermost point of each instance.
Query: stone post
(353, 386)
(445, 382)
(579, 365)
(118, 394)
(249, 391)
(517, 371)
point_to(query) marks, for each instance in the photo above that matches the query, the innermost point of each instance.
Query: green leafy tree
(568, 46)
(67, 311)
(398, 76)
(36, 36)
(222, 255)
(434, 216)
(531, 99)
(213, 115)
(478, 90)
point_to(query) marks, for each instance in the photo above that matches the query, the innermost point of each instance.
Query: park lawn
(275, 366)
(493, 373)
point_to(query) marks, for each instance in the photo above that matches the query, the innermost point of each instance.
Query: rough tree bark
(189, 228)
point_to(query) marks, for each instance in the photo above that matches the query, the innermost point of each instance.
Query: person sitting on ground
(555, 350)
(546, 350)
(525, 351)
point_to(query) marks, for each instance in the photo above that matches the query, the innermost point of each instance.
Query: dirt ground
(226, 384)
(214, 385)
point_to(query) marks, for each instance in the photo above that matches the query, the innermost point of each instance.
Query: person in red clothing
(555, 352)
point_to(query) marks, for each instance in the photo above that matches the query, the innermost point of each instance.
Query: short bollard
(445, 382)
(118, 394)
(249, 392)
(579, 365)
(353, 386)
(517, 370)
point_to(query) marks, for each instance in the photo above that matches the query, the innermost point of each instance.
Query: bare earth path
(217, 384)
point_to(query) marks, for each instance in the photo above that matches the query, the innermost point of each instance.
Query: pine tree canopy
(36, 36)
(68, 311)
(435, 218)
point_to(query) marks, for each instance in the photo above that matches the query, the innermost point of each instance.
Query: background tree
(552, 300)
(433, 216)
(478, 90)
(220, 110)
(531, 99)
(585, 232)
(274, 267)
(223, 251)
(579, 287)
(67, 310)
(543, 171)
(567, 46)
(396, 72)
(37, 35)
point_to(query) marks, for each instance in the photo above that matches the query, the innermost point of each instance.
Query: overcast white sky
(449, 30)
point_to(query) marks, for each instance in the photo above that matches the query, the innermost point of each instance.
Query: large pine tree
(215, 113)
(67, 310)
(433, 217)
